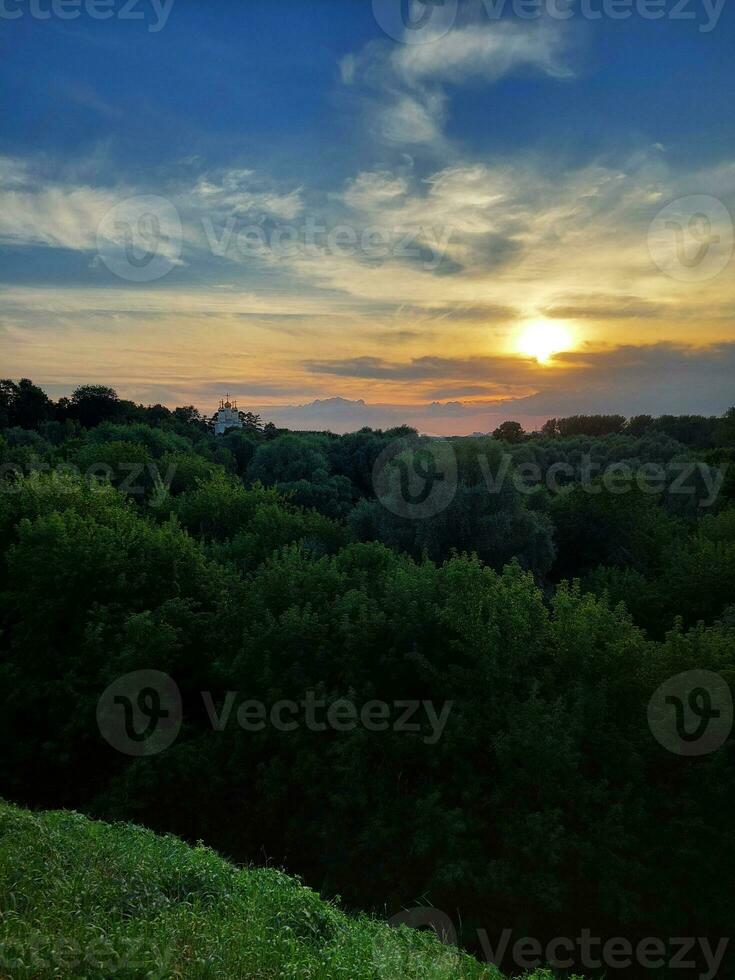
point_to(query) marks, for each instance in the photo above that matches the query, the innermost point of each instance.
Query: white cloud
(241, 192)
(57, 213)
(13, 173)
(56, 217)
(372, 190)
(404, 85)
(413, 120)
(486, 52)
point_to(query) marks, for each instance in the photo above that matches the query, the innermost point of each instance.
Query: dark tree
(591, 425)
(638, 425)
(24, 405)
(727, 428)
(187, 414)
(251, 422)
(512, 432)
(93, 404)
(157, 415)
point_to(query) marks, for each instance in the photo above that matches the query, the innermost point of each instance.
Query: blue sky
(517, 168)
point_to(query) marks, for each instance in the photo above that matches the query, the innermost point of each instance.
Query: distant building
(226, 417)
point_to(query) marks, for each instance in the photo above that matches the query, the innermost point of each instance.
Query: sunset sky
(350, 229)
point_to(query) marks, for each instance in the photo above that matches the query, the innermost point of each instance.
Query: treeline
(266, 565)
(697, 431)
(27, 406)
(546, 502)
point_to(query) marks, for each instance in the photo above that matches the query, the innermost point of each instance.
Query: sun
(544, 338)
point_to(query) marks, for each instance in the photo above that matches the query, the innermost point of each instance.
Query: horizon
(357, 415)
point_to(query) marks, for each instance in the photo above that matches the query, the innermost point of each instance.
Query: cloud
(155, 300)
(627, 378)
(404, 86)
(486, 52)
(242, 193)
(413, 119)
(347, 415)
(464, 390)
(373, 191)
(604, 307)
(503, 373)
(35, 212)
(622, 307)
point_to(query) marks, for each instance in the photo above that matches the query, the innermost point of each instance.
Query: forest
(536, 590)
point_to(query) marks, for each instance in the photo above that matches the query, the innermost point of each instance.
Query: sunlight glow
(544, 338)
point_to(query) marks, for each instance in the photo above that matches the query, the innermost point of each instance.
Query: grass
(84, 899)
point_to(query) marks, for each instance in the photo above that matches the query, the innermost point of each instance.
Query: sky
(446, 214)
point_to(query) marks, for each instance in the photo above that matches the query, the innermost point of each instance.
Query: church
(226, 417)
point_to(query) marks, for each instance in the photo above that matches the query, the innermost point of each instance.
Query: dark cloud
(488, 313)
(462, 391)
(503, 370)
(657, 379)
(492, 252)
(399, 336)
(608, 308)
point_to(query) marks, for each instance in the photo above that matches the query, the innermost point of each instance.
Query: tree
(727, 428)
(591, 425)
(187, 414)
(93, 404)
(8, 393)
(157, 415)
(251, 422)
(638, 425)
(24, 405)
(127, 465)
(299, 466)
(511, 432)
(698, 431)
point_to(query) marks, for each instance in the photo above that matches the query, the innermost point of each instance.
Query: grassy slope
(85, 899)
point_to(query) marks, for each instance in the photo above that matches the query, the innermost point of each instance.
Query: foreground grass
(84, 899)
